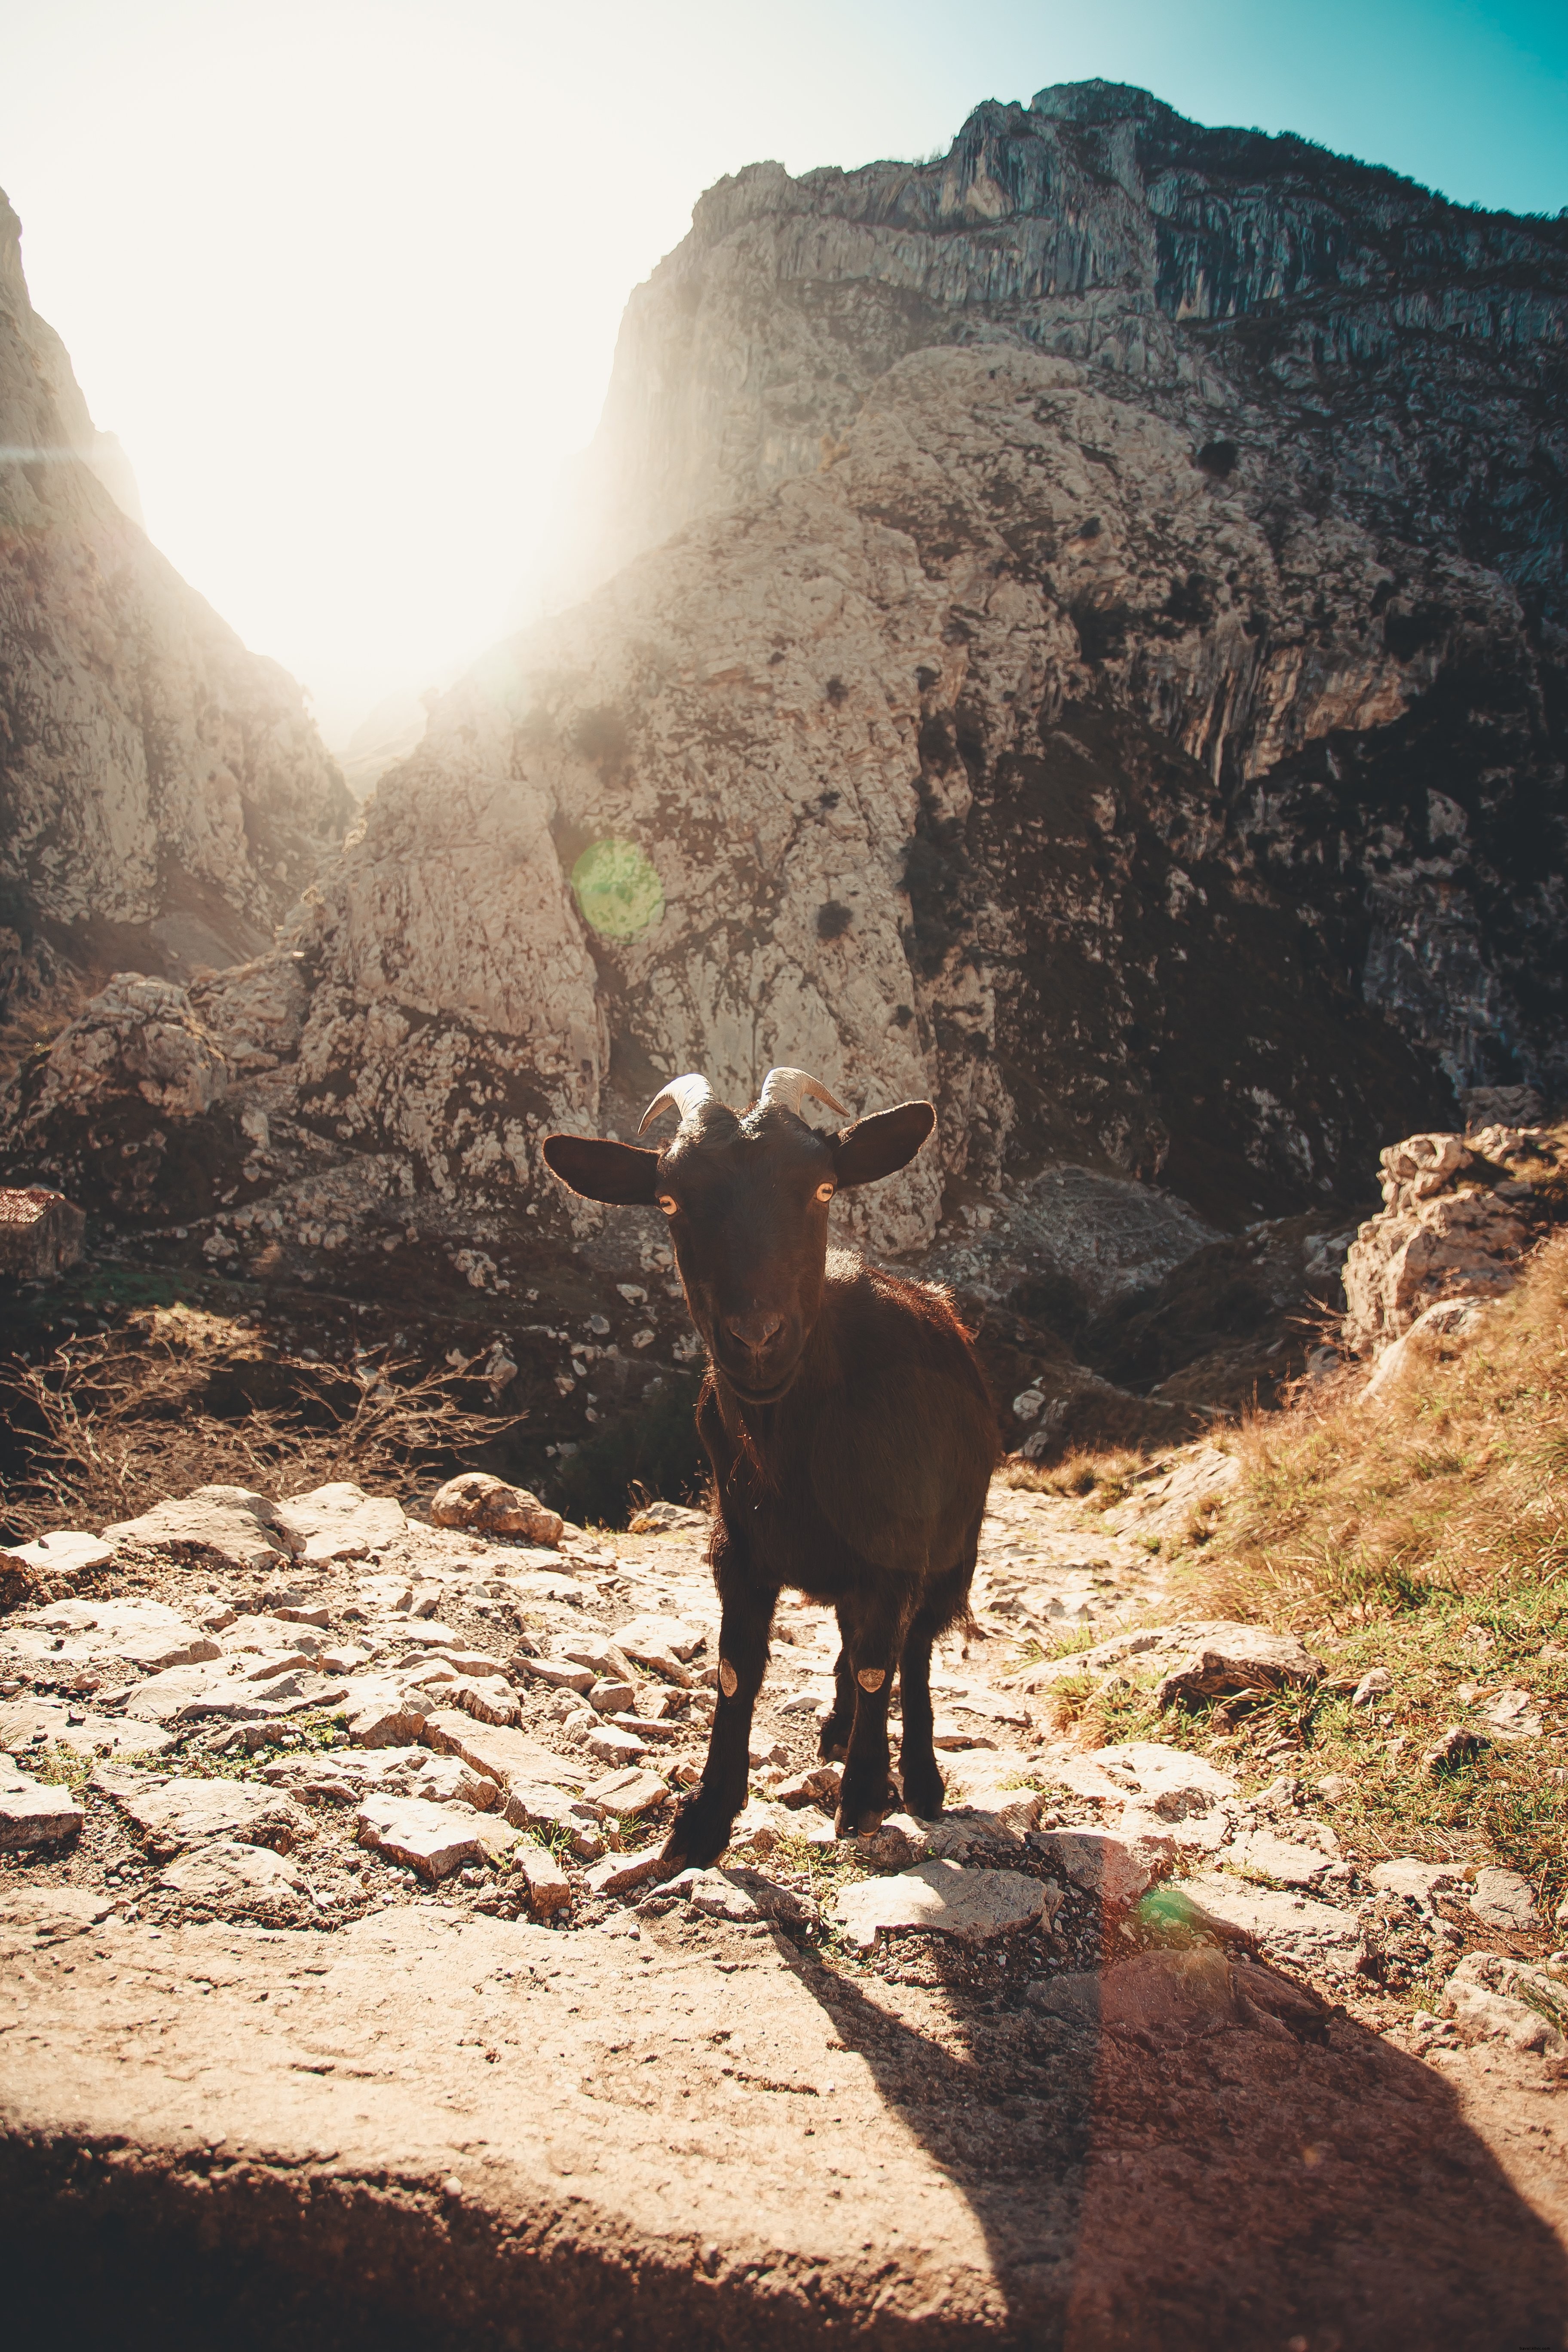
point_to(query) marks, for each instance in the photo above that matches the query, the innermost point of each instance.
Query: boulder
(226, 1526)
(339, 1521)
(1442, 1236)
(1238, 1658)
(490, 1508)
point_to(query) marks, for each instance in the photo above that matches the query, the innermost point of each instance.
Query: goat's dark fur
(849, 1426)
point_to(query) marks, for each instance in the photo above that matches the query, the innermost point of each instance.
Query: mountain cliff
(1078, 634)
(163, 796)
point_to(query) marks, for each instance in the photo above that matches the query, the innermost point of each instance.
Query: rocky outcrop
(1079, 640)
(1460, 1212)
(164, 795)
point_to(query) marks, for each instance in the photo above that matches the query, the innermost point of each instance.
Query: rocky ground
(329, 1880)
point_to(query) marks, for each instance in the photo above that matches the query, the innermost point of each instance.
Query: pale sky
(345, 278)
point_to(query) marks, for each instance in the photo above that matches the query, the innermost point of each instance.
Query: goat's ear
(875, 1147)
(602, 1171)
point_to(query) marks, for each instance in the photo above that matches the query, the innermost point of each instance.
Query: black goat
(846, 1420)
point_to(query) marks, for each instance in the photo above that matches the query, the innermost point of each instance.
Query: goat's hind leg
(835, 1740)
(943, 1605)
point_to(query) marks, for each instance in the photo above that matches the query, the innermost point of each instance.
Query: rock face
(1459, 1212)
(165, 797)
(1079, 637)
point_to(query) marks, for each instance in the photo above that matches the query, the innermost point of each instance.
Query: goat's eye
(825, 1191)
(666, 1202)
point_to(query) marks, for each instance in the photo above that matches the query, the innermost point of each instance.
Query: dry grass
(1458, 1485)
(1428, 1538)
(1109, 1476)
(118, 1419)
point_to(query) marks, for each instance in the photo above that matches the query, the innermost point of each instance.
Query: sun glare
(346, 279)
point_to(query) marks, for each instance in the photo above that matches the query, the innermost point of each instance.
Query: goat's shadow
(1192, 2152)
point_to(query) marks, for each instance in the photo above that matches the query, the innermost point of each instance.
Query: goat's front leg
(873, 1635)
(702, 1826)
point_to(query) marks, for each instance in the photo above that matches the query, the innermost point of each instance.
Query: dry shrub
(118, 1419)
(1458, 1483)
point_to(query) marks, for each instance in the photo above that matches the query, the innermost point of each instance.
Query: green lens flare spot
(617, 890)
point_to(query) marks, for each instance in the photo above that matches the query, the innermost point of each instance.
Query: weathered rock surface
(1459, 1212)
(487, 1505)
(433, 1838)
(1494, 1998)
(34, 1812)
(942, 1898)
(169, 1815)
(1142, 2162)
(973, 722)
(225, 1526)
(168, 796)
(1291, 1927)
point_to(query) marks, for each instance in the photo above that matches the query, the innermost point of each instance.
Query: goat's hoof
(923, 1797)
(859, 1824)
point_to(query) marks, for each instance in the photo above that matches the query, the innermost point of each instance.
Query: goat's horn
(687, 1094)
(787, 1090)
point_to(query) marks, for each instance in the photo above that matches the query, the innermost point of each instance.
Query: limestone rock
(1493, 1998)
(631, 1793)
(64, 1551)
(434, 1840)
(145, 1636)
(716, 1894)
(34, 1812)
(339, 1521)
(222, 1525)
(1115, 1868)
(618, 1874)
(245, 1881)
(1444, 1238)
(169, 1815)
(943, 1898)
(169, 798)
(1287, 1927)
(550, 1890)
(1239, 1658)
(508, 1756)
(1419, 1880)
(899, 1841)
(1504, 1898)
(87, 1734)
(490, 1506)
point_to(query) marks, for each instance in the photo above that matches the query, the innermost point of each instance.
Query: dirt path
(336, 2100)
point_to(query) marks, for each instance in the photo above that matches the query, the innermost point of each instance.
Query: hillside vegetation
(1426, 1535)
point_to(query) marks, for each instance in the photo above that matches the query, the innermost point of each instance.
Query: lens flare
(617, 890)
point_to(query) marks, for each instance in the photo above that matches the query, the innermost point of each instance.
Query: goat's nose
(754, 1331)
